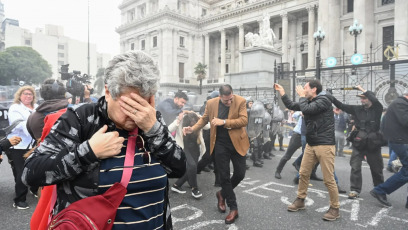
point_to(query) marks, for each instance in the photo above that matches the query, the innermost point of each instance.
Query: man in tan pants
(317, 109)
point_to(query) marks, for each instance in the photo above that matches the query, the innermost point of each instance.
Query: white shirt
(16, 112)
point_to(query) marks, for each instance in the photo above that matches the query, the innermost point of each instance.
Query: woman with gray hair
(85, 151)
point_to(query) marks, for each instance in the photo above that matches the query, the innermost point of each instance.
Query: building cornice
(166, 12)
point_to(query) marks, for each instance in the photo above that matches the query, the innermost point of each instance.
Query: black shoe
(315, 177)
(196, 193)
(296, 180)
(210, 166)
(281, 149)
(381, 198)
(389, 169)
(272, 155)
(341, 190)
(267, 157)
(177, 189)
(257, 164)
(278, 175)
(297, 167)
(21, 205)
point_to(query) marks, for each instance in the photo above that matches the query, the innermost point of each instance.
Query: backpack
(41, 215)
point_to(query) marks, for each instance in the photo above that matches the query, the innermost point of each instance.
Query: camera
(75, 81)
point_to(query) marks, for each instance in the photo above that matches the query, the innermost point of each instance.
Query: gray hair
(134, 69)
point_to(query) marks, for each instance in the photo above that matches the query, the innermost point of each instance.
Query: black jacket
(65, 157)
(395, 122)
(368, 119)
(169, 110)
(319, 117)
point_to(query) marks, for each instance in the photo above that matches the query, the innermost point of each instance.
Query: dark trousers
(224, 154)
(374, 160)
(191, 169)
(207, 157)
(16, 160)
(294, 144)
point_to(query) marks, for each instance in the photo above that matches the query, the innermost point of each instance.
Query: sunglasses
(147, 160)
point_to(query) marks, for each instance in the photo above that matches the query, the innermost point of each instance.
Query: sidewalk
(346, 150)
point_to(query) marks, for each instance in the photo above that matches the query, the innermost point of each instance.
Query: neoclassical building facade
(181, 33)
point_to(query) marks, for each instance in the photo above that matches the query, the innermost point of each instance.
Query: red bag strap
(129, 158)
(127, 170)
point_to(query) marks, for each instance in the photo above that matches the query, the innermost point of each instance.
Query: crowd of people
(85, 152)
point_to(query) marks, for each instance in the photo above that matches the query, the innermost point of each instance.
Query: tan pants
(324, 154)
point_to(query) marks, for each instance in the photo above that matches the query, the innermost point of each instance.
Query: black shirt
(222, 133)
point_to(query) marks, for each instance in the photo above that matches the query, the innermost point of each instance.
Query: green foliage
(200, 71)
(23, 64)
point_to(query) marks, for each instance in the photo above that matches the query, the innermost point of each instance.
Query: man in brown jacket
(229, 141)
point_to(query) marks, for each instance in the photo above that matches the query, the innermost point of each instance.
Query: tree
(200, 71)
(99, 84)
(23, 64)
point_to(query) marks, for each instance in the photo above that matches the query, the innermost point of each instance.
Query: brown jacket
(236, 123)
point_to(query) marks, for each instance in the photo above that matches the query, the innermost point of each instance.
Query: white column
(176, 41)
(191, 62)
(222, 66)
(207, 53)
(285, 37)
(400, 27)
(160, 48)
(232, 52)
(166, 71)
(310, 41)
(241, 45)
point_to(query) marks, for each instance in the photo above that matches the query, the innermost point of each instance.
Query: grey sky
(73, 16)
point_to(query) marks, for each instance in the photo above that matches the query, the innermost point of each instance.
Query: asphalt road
(262, 202)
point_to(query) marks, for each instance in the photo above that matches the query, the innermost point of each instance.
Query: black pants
(294, 144)
(16, 160)
(224, 154)
(191, 169)
(374, 160)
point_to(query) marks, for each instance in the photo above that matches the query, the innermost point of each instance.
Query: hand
(187, 130)
(217, 122)
(87, 91)
(106, 144)
(300, 91)
(140, 110)
(361, 88)
(280, 89)
(15, 140)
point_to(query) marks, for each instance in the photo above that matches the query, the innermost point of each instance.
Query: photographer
(78, 85)
(365, 139)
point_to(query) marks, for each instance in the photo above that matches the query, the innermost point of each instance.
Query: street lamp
(318, 36)
(355, 30)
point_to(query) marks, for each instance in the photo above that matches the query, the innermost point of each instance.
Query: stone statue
(264, 38)
(252, 40)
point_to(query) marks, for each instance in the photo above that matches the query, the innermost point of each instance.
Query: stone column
(207, 53)
(285, 37)
(311, 59)
(222, 65)
(400, 27)
(191, 63)
(232, 52)
(166, 71)
(240, 45)
(160, 47)
(176, 44)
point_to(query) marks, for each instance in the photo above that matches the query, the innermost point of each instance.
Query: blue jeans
(299, 159)
(400, 178)
(392, 156)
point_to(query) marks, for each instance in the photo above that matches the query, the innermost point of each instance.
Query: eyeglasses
(27, 94)
(147, 160)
